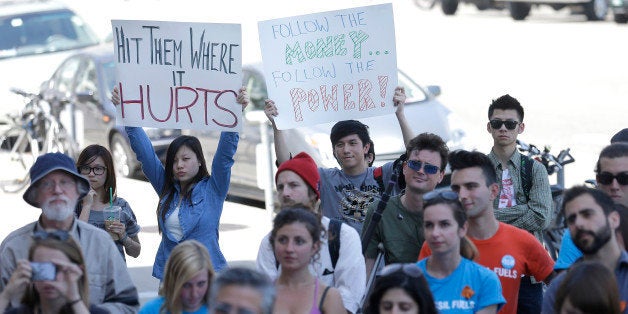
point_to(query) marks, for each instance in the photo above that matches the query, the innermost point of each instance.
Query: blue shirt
(568, 252)
(153, 306)
(470, 288)
(199, 215)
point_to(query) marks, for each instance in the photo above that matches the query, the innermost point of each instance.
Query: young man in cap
(298, 182)
(591, 219)
(56, 188)
(347, 192)
(401, 227)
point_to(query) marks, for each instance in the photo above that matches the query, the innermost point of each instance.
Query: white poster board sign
(330, 66)
(178, 75)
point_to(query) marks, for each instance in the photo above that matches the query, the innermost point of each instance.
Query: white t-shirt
(507, 194)
(173, 225)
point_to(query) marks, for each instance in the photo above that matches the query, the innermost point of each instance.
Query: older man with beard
(591, 220)
(56, 188)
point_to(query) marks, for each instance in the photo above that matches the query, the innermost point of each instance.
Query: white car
(35, 36)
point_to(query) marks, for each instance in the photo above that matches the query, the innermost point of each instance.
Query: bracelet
(71, 303)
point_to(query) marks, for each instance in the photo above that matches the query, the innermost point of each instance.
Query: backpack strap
(320, 304)
(334, 240)
(526, 175)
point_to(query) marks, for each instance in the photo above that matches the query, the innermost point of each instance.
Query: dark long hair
(416, 287)
(590, 287)
(167, 192)
(88, 155)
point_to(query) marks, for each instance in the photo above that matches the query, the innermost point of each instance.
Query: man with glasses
(242, 291)
(525, 207)
(508, 251)
(56, 188)
(612, 178)
(401, 227)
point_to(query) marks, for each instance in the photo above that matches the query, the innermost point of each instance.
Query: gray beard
(57, 213)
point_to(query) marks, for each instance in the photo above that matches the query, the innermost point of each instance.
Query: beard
(58, 211)
(600, 238)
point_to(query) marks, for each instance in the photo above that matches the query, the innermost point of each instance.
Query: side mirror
(434, 90)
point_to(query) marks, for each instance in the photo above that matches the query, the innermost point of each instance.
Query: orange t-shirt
(510, 253)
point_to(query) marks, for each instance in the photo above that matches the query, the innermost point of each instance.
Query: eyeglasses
(98, 170)
(497, 124)
(226, 308)
(607, 178)
(417, 165)
(445, 195)
(409, 269)
(50, 185)
(56, 235)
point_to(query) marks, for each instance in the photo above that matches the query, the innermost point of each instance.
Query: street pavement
(241, 227)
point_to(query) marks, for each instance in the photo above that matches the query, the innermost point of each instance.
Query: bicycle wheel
(19, 152)
(425, 4)
(62, 142)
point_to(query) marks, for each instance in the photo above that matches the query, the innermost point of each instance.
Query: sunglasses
(445, 195)
(607, 178)
(497, 124)
(408, 269)
(418, 165)
(56, 235)
(98, 170)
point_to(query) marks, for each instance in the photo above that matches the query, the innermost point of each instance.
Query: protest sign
(330, 66)
(178, 75)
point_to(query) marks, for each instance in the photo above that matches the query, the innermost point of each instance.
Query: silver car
(250, 171)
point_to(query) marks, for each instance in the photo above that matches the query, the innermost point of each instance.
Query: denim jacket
(199, 215)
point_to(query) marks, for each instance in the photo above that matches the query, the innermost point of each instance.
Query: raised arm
(281, 150)
(399, 100)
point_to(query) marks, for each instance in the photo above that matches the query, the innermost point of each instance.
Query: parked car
(35, 36)
(594, 10)
(620, 11)
(249, 173)
(83, 83)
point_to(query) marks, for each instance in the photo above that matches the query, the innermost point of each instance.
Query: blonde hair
(186, 260)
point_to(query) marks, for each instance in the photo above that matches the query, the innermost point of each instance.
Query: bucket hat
(48, 163)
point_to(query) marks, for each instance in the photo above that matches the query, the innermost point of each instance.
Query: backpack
(333, 244)
(526, 175)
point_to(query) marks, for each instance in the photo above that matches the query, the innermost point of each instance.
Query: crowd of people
(342, 242)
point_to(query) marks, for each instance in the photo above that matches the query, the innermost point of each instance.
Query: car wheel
(596, 10)
(449, 7)
(123, 157)
(620, 18)
(519, 10)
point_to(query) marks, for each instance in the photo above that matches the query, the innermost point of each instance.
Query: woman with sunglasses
(96, 164)
(400, 288)
(295, 239)
(185, 289)
(53, 280)
(458, 284)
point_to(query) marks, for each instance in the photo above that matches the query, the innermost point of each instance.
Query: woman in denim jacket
(190, 200)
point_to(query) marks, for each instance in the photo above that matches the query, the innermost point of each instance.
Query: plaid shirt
(534, 215)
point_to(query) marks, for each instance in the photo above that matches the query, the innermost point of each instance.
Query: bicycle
(36, 130)
(554, 165)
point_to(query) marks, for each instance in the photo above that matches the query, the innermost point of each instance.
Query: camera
(45, 271)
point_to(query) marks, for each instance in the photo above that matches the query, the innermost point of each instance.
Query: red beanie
(305, 167)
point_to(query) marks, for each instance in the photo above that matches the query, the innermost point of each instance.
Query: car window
(256, 86)
(414, 92)
(63, 80)
(41, 32)
(86, 80)
(109, 76)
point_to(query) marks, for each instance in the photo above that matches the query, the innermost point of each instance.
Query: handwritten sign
(330, 66)
(178, 75)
